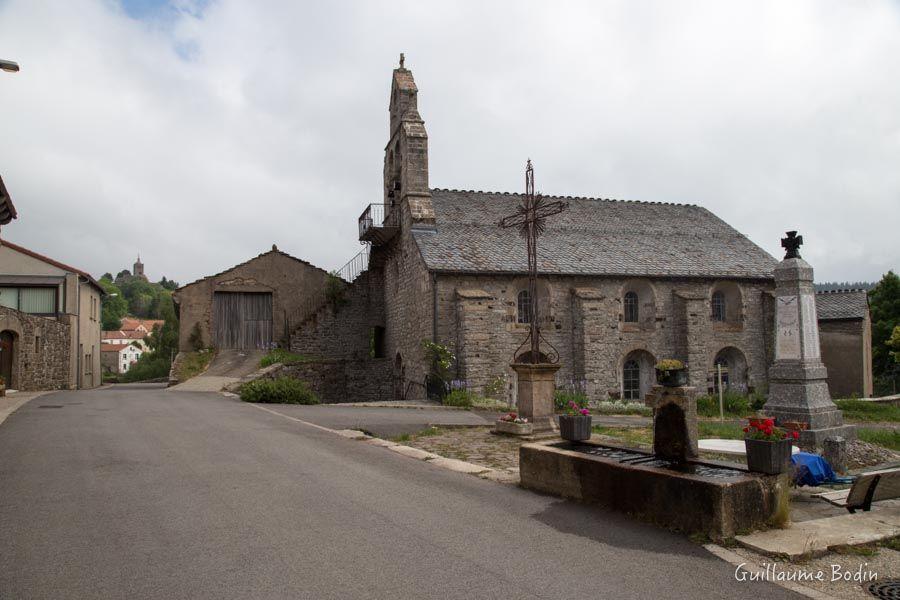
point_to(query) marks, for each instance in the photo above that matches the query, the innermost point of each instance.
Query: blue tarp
(811, 469)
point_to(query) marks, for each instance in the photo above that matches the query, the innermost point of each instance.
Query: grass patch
(733, 403)
(280, 355)
(193, 363)
(888, 438)
(461, 398)
(630, 436)
(284, 390)
(860, 410)
(864, 550)
(725, 431)
(893, 543)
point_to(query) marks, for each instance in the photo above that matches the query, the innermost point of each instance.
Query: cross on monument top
(792, 244)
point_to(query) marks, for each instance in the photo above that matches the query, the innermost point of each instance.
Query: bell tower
(406, 193)
(138, 270)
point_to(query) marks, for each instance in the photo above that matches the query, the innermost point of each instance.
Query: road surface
(136, 492)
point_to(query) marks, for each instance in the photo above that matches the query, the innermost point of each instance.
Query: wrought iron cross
(530, 218)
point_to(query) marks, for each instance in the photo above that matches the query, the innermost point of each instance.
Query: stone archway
(637, 375)
(735, 372)
(8, 363)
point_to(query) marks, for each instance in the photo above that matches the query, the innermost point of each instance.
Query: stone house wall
(584, 322)
(41, 351)
(846, 352)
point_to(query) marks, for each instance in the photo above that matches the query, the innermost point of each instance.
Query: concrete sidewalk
(818, 536)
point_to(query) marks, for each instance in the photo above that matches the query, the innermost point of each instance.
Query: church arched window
(631, 380)
(718, 306)
(523, 305)
(631, 307)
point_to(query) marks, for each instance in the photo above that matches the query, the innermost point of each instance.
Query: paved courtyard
(136, 492)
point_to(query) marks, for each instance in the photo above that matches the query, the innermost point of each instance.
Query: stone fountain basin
(708, 497)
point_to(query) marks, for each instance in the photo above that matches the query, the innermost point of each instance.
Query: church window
(631, 380)
(718, 306)
(631, 307)
(524, 307)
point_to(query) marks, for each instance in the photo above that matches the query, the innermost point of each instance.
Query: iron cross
(529, 218)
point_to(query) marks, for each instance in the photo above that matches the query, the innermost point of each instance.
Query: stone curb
(451, 464)
(739, 562)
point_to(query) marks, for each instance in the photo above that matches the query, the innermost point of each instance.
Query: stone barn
(845, 334)
(250, 305)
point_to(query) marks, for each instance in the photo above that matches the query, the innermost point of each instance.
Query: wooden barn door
(242, 320)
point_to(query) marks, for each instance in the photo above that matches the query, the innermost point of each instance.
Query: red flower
(796, 435)
(746, 430)
(769, 422)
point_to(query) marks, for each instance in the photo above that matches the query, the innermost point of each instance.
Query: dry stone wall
(41, 351)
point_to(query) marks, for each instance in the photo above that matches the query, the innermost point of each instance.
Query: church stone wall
(408, 306)
(584, 322)
(40, 353)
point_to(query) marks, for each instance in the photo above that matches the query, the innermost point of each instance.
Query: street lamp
(9, 66)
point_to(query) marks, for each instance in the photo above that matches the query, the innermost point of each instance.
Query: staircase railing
(354, 267)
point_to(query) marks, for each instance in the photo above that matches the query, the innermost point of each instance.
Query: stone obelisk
(798, 387)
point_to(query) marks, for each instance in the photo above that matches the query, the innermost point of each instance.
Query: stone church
(622, 285)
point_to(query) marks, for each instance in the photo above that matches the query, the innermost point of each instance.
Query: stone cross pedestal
(534, 398)
(798, 388)
(675, 431)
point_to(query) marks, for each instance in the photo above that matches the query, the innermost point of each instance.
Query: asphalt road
(142, 493)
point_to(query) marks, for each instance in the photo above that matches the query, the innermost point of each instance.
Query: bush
(624, 408)
(192, 364)
(463, 398)
(735, 404)
(284, 390)
(561, 399)
(280, 355)
(195, 339)
(147, 367)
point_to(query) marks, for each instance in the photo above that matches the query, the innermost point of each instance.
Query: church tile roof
(842, 304)
(593, 237)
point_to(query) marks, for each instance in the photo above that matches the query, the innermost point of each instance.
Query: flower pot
(575, 428)
(513, 428)
(768, 457)
(672, 377)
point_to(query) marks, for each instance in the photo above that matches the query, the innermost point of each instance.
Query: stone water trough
(675, 491)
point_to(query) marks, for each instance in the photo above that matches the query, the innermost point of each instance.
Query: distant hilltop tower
(139, 269)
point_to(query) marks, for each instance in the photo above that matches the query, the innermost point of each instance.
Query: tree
(894, 343)
(884, 304)
(113, 306)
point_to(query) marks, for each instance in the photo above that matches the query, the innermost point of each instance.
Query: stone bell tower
(138, 270)
(406, 193)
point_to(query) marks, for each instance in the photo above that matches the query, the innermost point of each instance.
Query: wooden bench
(866, 489)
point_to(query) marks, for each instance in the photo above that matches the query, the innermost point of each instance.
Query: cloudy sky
(199, 133)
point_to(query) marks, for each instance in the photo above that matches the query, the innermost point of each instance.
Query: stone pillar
(536, 384)
(675, 431)
(798, 388)
(834, 451)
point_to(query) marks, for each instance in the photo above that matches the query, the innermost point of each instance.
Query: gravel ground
(884, 562)
(862, 454)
